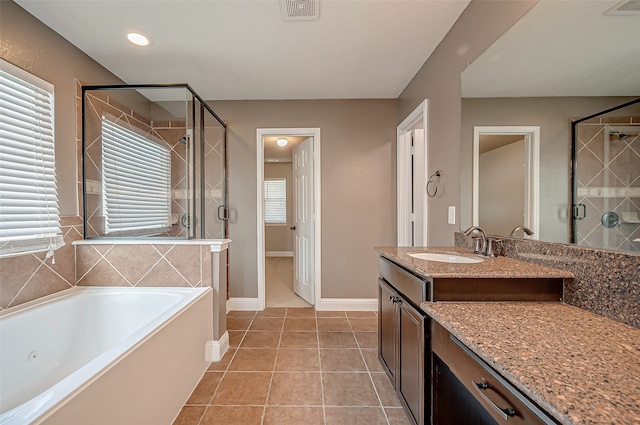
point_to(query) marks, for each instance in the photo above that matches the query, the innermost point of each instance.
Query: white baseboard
(215, 350)
(250, 304)
(325, 304)
(347, 304)
(278, 254)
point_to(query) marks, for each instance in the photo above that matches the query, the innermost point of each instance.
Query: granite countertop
(498, 267)
(580, 367)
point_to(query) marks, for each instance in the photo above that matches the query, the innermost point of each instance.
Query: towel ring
(436, 174)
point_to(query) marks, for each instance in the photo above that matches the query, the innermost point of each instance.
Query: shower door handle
(225, 213)
(576, 211)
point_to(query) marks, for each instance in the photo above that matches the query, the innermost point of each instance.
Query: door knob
(292, 228)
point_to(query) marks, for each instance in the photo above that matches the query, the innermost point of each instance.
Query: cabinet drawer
(500, 399)
(409, 285)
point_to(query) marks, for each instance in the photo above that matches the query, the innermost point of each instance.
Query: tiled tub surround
(135, 264)
(605, 282)
(177, 263)
(28, 277)
(580, 367)
(293, 366)
(161, 262)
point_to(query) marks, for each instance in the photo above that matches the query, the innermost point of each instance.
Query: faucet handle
(492, 246)
(477, 245)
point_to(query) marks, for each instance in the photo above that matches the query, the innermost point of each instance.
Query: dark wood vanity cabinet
(434, 387)
(403, 341)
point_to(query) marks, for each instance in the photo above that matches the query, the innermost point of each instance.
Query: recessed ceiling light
(138, 39)
(282, 142)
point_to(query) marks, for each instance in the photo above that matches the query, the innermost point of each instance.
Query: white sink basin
(445, 258)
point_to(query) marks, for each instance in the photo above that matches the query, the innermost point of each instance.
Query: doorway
(288, 242)
(506, 179)
(411, 178)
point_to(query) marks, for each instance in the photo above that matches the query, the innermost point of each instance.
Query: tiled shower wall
(606, 283)
(169, 133)
(608, 174)
(100, 103)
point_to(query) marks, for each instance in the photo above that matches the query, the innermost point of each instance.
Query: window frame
(283, 200)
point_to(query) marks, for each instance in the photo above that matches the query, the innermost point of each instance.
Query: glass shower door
(607, 183)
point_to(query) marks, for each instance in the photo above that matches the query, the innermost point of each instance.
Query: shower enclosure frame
(223, 210)
(574, 206)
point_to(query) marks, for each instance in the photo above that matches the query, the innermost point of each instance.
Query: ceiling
(561, 48)
(275, 153)
(242, 49)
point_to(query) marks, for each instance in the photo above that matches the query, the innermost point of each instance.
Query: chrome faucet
(524, 229)
(482, 249)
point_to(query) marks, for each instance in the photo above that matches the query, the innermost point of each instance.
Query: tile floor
(296, 366)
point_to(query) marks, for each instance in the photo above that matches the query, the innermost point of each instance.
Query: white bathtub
(108, 356)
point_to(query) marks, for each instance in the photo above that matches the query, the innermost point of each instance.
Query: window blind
(136, 182)
(275, 201)
(29, 216)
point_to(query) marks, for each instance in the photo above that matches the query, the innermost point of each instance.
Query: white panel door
(303, 277)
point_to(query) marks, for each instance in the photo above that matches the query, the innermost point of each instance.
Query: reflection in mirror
(607, 179)
(561, 61)
(505, 179)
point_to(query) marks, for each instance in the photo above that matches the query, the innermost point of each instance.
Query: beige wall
(34, 47)
(502, 199)
(438, 80)
(278, 237)
(358, 186)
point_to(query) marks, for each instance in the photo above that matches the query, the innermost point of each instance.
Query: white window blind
(29, 217)
(136, 182)
(275, 201)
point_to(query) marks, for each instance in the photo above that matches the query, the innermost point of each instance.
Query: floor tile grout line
(273, 368)
(224, 372)
(324, 407)
(375, 389)
(358, 345)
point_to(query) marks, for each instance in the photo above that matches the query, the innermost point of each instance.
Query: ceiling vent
(300, 10)
(625, 7)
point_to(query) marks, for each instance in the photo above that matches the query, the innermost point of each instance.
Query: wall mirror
(560, 62)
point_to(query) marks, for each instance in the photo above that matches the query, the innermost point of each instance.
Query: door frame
(531, 135)
(403, 172)
(261, 133)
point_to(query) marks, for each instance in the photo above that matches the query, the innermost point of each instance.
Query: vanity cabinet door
(410, 379)
(387, 324)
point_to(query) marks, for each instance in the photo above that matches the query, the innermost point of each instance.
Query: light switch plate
(452, 215)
